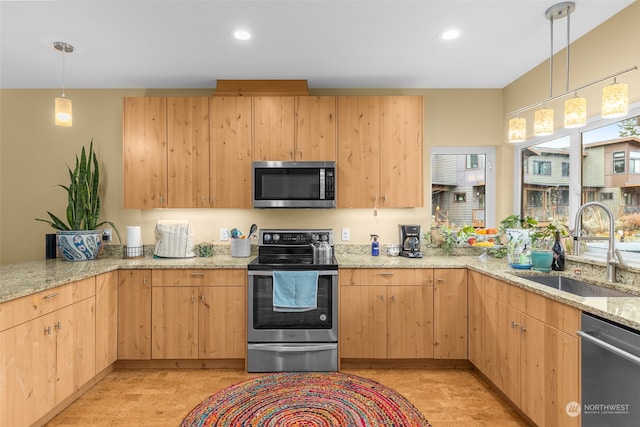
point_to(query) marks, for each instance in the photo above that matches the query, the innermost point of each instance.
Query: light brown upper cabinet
(380, 151)
(230, 164)
(300, 128)
(188, 152)
(145, 152)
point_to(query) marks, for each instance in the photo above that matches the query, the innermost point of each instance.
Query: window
(634, 162)
(472, 161)
(565, 169)
(628, 199)
(460, 197)
(606, 196)
(535, 198)
(618, 162)
(541, 167)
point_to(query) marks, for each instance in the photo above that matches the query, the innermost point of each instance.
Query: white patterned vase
(79, 245)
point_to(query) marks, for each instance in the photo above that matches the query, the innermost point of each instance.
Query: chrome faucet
(614, 259)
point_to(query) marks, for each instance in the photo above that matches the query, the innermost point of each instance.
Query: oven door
(268, 326)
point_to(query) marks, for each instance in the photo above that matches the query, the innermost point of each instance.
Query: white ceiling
(330, 43)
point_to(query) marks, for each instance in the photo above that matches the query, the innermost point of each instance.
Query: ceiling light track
(569, 92)
(615, 97)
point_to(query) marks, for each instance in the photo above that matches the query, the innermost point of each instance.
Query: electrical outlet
(224, 234)
(346, 234)
(106, 234)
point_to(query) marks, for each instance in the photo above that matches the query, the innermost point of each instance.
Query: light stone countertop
(21, 279)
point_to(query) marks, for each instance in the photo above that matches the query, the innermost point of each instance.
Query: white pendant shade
(517, 129)
(575, 112)
(63, 114)
(615, 100)
(543, 122)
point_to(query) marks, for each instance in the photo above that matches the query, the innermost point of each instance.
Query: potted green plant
(542, 239)
(79, 238)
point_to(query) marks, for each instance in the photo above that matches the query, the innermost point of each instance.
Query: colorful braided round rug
(306, 399)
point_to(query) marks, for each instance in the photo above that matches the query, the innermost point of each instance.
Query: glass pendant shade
(517, 129)
(575, 112)
(63, 116)
(543, 122)
(615, 100)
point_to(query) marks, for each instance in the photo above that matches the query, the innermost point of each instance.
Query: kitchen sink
(575, 287)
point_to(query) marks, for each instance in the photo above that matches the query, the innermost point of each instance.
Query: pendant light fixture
(518, 129)
(575, 112)
(615, 97)
(63, 106)
(615, 100)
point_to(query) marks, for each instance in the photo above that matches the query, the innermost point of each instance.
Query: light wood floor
(162, 397)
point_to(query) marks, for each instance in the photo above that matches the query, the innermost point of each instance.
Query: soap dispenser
(375, 245)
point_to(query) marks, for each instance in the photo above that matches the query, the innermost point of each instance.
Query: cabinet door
(450, 314)
(174, 323)
(359, 152)
(401, 152)
(106, 320)
(274, 127)
(562, 376)
(74, 328)
(363, 322)
(410, 322)
(222, 320)
(134, 314)
(145, 152)
(508, 341)
(475, 287)
(230, 144)
(533, 394)
(28, 374)
(188, 152)
(315, 128)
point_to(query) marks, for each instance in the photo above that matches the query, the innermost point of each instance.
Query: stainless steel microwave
(294, 184)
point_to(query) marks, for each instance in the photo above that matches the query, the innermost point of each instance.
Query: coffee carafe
(410, 241)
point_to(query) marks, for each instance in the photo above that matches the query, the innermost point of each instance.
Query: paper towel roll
(134, 239)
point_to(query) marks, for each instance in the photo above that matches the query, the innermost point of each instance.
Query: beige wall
(34, 152)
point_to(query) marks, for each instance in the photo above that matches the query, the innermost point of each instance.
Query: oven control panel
(294, 237)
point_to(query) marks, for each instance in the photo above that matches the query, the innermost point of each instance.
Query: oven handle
(613, 349)
(270, 273)
(284, 348)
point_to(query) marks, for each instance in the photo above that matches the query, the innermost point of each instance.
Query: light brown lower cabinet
(134, 314)
(198, 314)
(526, 345)
(106, 320)
(50, 355)
(450, 313)
(386, 313)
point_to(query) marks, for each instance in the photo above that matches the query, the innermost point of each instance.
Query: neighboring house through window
(541, 167)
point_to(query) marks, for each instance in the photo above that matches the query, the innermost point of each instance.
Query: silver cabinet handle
(47, 330)
(613, 349)
(386, 274)
(144, 280)
(53, 295)
(197, 274)
(514, 324)
(523, 329)
(193, 297)
(161, 199)
(439, 280)
(202, 297)
(57, 326)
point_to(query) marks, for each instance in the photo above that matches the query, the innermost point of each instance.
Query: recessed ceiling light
(450, 34)
(242, 35)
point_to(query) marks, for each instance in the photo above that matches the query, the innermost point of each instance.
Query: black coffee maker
(410, 241)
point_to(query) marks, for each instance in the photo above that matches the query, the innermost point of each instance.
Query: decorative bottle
(558, 254)
(375, 245)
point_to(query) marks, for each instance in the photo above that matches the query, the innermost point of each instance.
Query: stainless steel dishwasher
(610, 373)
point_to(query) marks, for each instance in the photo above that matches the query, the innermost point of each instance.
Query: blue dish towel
(295, 291)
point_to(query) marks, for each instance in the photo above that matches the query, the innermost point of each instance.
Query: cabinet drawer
(199, 277)
(553, 313)
(386, 276)
(23, 309)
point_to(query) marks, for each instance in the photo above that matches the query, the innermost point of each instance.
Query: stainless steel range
(293, 302)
